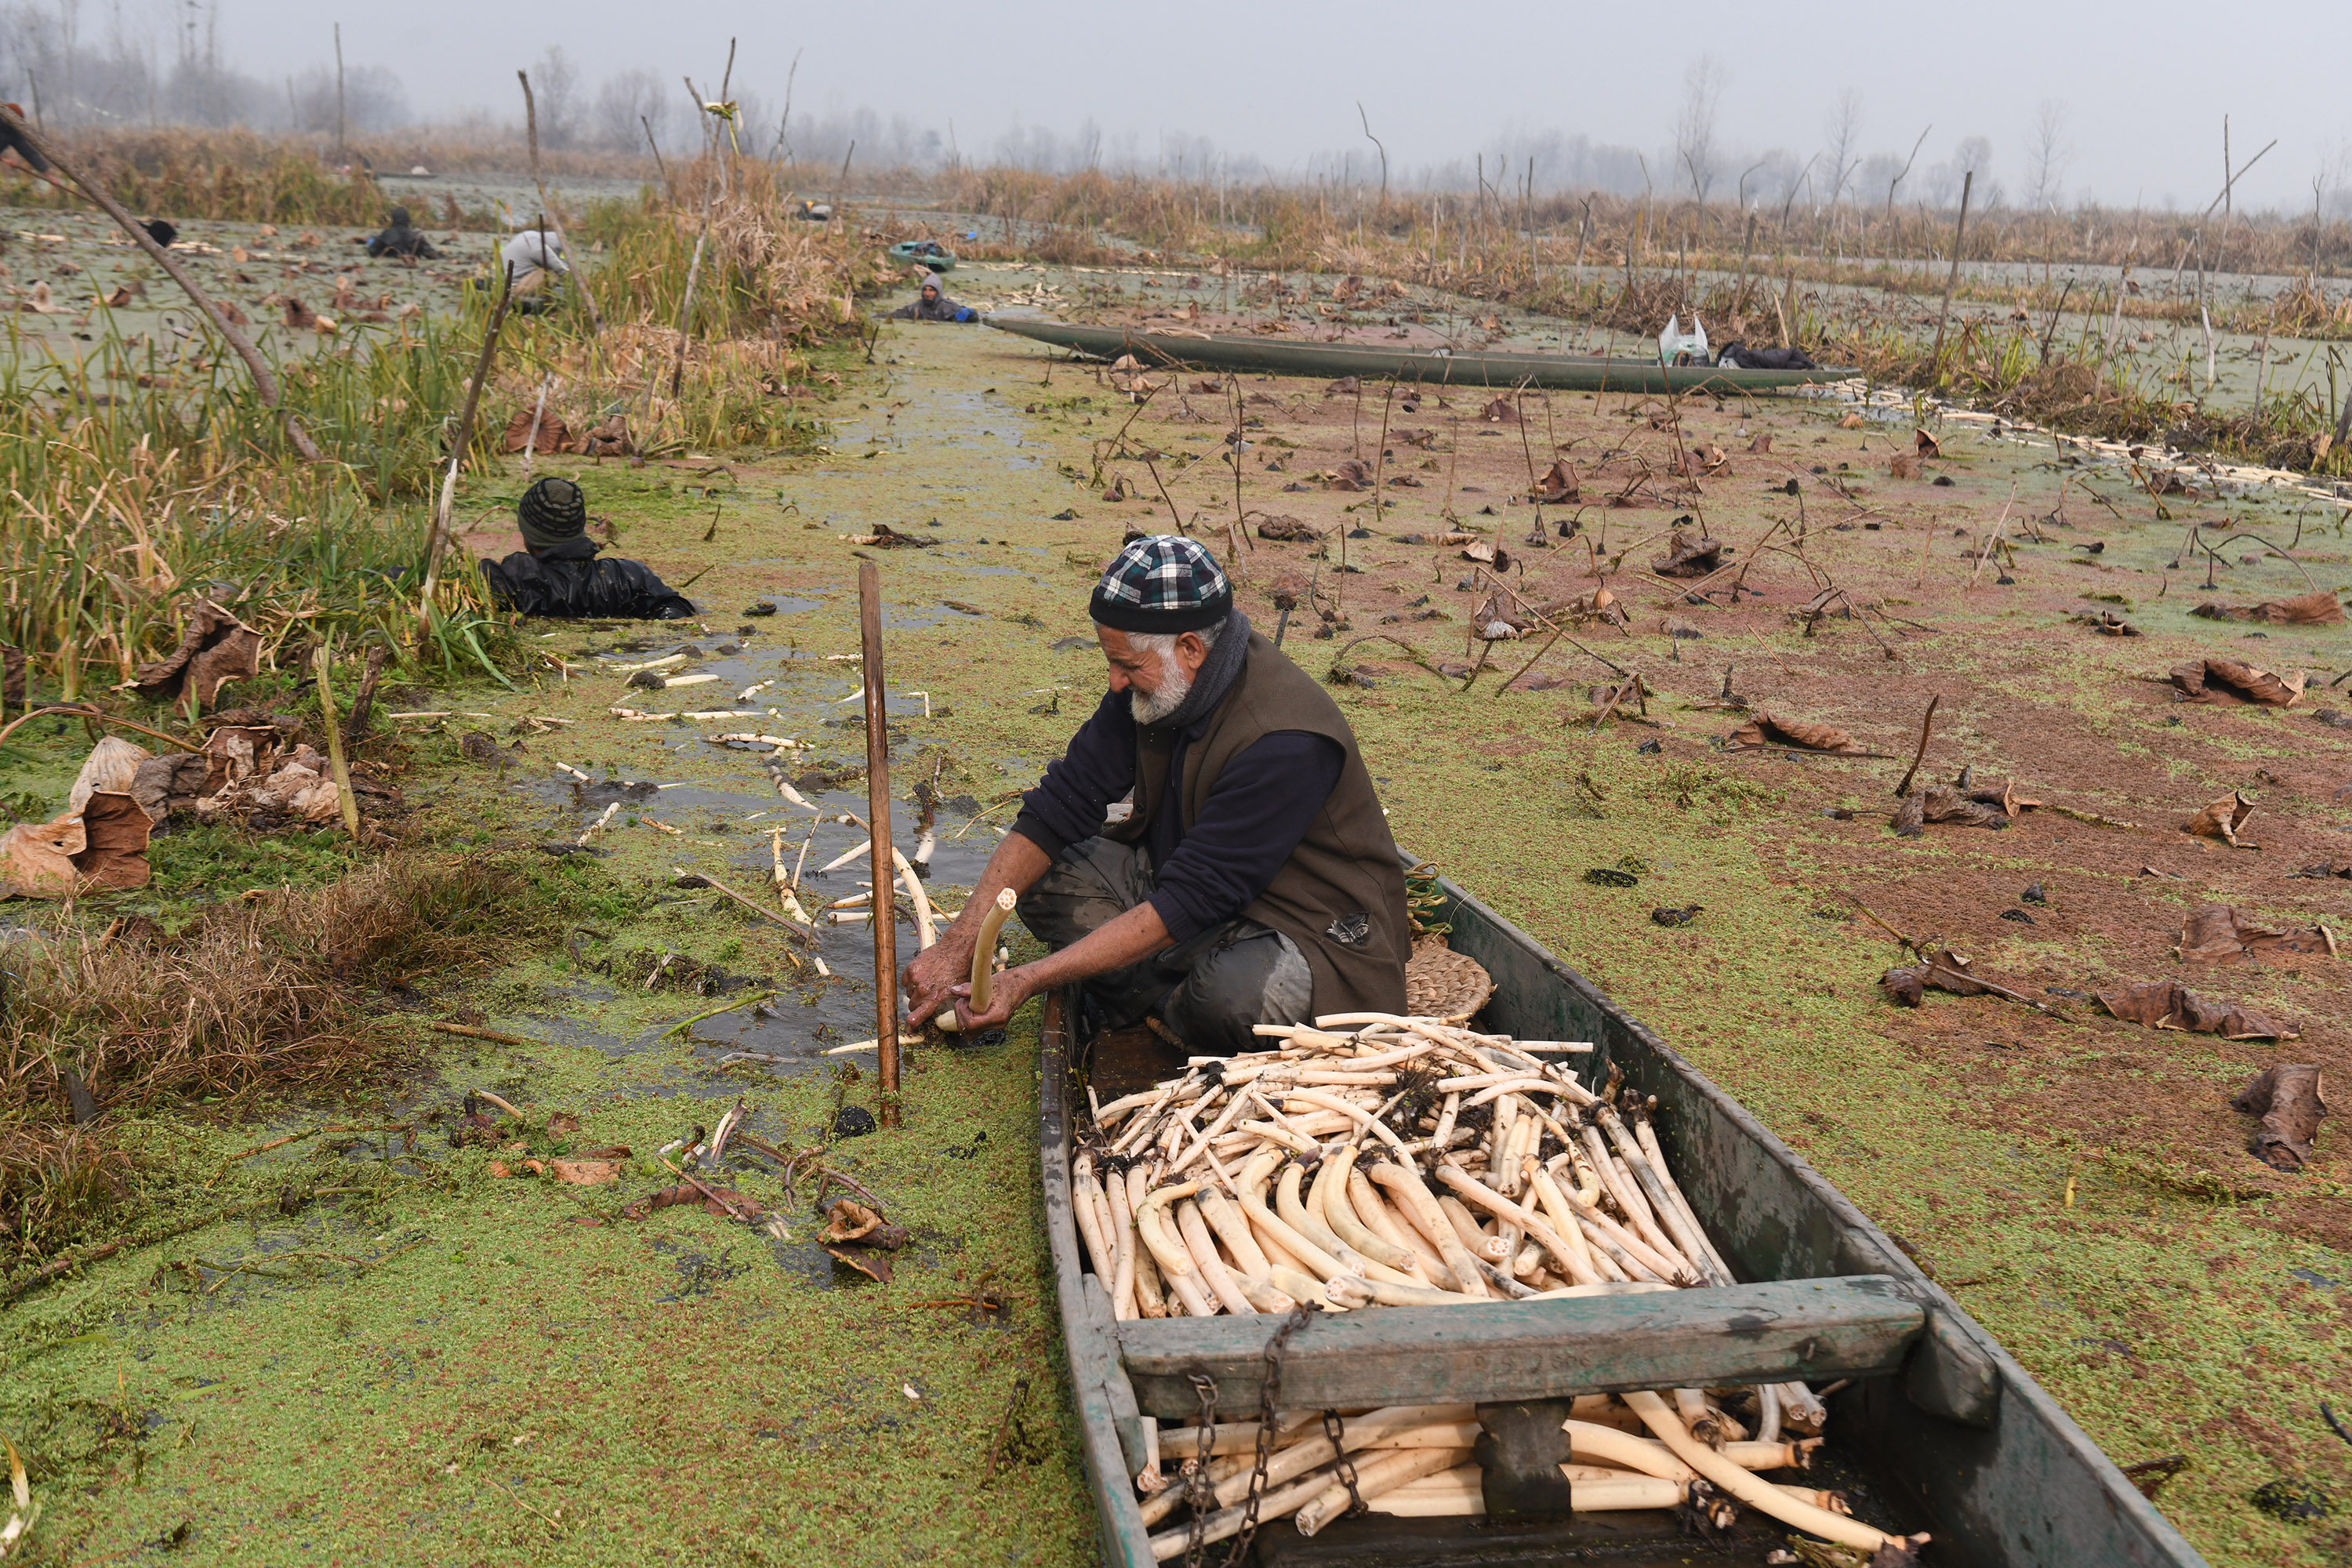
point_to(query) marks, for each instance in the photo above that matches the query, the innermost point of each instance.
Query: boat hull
(1494, 372)
(1952, 1432)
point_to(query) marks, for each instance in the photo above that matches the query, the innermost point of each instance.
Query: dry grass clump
(268, 995)
(765, 273)
(58, 1186)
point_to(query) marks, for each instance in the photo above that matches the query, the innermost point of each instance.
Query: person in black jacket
(559, 575)
(1739, 357)
(400, 238)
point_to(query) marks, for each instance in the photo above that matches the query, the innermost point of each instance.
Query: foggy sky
(2144, 90)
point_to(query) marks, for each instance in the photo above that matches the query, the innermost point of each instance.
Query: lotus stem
(1581, 1267)
(1684, 1231)
(1422, 1209)
(1123, 1293)
(983, 957)
(1232, 1227)
(1745, 1487)
(1633, 1492)
(1202, 1248)
(1648, 1138)
(1084, 1194)
(1176, 1265)
(1252, 1194)
(1384, 1475)
(1330, 1200)
(924, 936)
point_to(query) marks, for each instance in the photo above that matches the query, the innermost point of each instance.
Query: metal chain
(1269, 1387)
(1199, 1495)
(1336, 1430)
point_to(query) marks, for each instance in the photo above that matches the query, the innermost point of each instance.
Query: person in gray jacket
(537, 260)
(932, 304)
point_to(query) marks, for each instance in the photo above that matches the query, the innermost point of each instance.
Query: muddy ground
(525, 1373)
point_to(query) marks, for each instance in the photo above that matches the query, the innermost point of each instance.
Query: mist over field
(1805, 105)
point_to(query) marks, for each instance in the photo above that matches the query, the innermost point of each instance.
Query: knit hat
(1161, 584)
(552, 511)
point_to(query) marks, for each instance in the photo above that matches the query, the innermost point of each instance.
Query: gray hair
(1161, 644)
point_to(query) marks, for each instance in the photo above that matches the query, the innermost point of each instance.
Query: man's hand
(1006, 990)
(934, 975)
(927, 982)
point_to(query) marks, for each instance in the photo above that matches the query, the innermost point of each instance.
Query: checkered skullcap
(1162, 584)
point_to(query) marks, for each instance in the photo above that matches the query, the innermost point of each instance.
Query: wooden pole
(1959, 233)
(438, 538)
(264, 382)
(878, 818)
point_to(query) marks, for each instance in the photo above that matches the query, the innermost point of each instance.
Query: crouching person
(558, 572)
(1251, 879)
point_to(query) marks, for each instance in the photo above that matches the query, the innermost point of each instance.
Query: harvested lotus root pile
(1378, 1161)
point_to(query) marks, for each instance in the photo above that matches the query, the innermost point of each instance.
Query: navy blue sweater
(1261, 806)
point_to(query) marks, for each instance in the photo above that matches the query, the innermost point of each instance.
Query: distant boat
(1276, 355)
(928, 253)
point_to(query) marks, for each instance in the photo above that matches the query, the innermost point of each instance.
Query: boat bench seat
(1858, 1325)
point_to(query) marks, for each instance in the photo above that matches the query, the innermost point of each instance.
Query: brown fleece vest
(1340, 895)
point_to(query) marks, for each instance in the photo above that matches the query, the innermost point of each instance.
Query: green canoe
(1282, 356)
(923, 253)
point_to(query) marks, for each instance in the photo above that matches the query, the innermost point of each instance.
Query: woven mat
(1439, 983)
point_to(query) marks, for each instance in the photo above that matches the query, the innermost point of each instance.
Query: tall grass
(130, 481)
(134, 474)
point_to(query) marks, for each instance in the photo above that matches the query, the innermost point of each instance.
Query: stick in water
(440, 533)
(877, 808)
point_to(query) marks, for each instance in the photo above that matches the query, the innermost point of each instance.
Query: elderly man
(1250, 880)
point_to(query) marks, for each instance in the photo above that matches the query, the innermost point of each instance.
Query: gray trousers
(1208, 990)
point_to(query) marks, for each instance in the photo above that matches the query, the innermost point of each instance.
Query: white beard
(1174, 687)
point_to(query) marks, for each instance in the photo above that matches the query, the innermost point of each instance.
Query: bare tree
(2046, 154)
(623, 100)
(556, 81)
(1842, 142)
(1694, 127)
(1973, 153)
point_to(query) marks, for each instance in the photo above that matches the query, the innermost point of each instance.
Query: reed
(132, 475)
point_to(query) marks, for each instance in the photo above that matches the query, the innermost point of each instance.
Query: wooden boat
(1499, 372)
(1943, 1430)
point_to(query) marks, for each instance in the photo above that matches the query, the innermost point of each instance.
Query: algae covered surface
(468, 1367)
